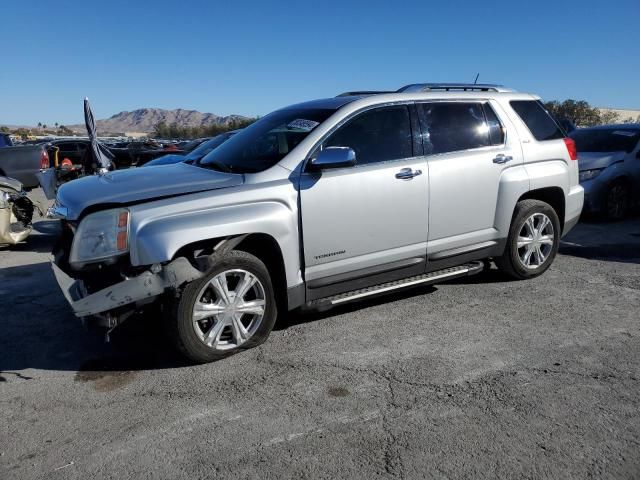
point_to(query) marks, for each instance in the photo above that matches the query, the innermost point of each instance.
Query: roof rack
(466, 87)
(361, 93)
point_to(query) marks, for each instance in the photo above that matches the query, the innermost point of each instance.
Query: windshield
(265, 142)
(207, 146)
(609, 140)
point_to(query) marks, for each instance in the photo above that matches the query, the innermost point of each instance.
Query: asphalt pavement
(476, 378)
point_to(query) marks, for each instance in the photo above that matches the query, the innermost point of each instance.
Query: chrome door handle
(408, 174)
(501, 158)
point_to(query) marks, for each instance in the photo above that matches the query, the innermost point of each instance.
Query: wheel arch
(554, 196)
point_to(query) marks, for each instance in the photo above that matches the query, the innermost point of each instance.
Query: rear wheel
(230, 309)
(617, 201)
(533, 240)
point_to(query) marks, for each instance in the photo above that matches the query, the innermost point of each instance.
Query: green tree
(580, 113)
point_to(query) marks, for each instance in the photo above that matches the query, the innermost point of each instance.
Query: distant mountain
(145, 119)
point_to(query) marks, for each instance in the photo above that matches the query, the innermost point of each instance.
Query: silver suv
(319, 204)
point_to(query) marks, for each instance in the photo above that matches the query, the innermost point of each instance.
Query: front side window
(454, 126)
(264, 143)
(377, 135)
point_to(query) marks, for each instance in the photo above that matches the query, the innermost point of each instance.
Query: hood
(139, 184)
(594, 160)
(10, 183)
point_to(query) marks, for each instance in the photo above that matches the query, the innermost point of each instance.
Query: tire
(542, 248)
(204, 336)
(617, 202)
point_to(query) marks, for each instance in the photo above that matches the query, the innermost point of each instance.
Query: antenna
(476, 80)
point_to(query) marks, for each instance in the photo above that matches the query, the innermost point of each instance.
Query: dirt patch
(104, 375)
(338, 392)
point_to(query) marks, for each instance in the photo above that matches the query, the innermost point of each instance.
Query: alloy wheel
(535, 241)
(229, 309)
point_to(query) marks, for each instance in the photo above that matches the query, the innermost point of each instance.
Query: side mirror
(333, 157)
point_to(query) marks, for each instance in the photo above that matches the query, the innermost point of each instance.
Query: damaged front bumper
(133, 291)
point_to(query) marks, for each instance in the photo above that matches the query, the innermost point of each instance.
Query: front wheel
(532, 244)
(231, 308)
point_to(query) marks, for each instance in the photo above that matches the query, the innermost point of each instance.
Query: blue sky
(252, 57)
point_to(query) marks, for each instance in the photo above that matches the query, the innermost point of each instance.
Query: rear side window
(376, 135)
(541, 125)
(451, 127)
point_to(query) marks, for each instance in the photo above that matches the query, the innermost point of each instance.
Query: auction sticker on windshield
(302, 124)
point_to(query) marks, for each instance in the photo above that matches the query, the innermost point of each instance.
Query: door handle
(501, 158)
(408, 174)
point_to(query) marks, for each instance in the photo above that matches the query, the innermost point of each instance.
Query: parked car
(22, 162)
(16, 212)
(195, 155)
(5, 140)
(609, 162)
(320, 204)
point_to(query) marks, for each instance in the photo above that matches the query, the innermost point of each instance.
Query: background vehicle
(16, 212)
(195, 155)
(609, 162)
(5, 140)
(23, 162)
(319, 204)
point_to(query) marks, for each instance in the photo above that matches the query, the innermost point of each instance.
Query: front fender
(159, 231)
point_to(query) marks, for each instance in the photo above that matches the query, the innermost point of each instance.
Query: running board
(425, 279)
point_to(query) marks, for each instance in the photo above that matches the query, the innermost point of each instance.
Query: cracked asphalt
(477, 378)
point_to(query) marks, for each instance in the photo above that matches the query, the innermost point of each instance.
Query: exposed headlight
(100, 236)
(590, 174)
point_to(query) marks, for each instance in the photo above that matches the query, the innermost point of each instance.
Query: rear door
(468, 151)
(372, 218)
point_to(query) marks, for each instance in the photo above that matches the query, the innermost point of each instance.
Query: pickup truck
(320, 204)
(22, 162)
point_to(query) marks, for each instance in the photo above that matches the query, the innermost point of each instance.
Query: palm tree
(40, 125)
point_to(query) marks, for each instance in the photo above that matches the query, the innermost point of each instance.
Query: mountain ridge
(144, 120)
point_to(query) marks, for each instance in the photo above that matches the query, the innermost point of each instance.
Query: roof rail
(362, 93)
(466, 87)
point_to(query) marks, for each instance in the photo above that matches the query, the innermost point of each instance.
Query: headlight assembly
(590, 174)
(101, 236)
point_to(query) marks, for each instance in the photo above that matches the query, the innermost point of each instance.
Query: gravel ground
(482, 378)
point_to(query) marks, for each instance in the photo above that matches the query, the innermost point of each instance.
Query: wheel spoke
(539, 255)
(212, 337)
(248, 281)
(527, 256)
(253, 307)
(524, 241)
(219, 284)
(206, 310)
(238, 330)
(544, 221)
(531, 226)
(546, 239)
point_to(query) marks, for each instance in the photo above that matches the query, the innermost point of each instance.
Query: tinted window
(496, 132)
(540, 123)
(376, 135)
(452, 127)
(609, 140)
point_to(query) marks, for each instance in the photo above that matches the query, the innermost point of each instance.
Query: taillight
(571, 148)
(44, 160)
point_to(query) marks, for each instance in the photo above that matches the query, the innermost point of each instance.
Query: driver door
(367, 224)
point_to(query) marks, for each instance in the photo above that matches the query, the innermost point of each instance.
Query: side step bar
(471, 268)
